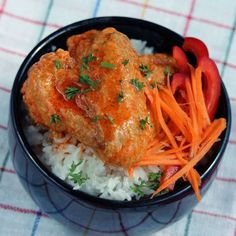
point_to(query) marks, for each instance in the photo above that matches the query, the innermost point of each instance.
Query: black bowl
(76, 208)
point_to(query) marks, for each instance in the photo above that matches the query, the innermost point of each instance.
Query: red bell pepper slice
(167, 173)
(181, 59)
(211, 85)
(178, 82)
(195, 46)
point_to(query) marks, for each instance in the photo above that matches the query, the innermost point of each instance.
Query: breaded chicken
(97, 97)
(157, 66)
(47, 106)
(118, 103)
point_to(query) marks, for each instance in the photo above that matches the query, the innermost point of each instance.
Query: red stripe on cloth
(20, 210)
(153, 8)
(3, 169)
(232, 142)
(225, 63)
(5, 89)
(4, 2)
(189, 17)
(36, 22)
(228, 180)
(12, 52)
(218, 24)
(3, 127)
(179, 14)
(214, 215)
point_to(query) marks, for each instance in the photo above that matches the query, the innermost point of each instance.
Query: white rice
(106, 181)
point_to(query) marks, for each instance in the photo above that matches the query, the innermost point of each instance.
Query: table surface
(24, 23)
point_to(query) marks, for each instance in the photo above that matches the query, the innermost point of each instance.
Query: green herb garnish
(78, 178)
(167, 71)
(144, 122)
(120, 97)
(73, 166)
(55, 119)
(110, 119)
(86, 60)
(96, 118)
(85, 79)
(152, 176)
(125, 62)
(145, 70)
(137, 188)
(152, 183)
(70, 92)
(137, 84)
(58, 64)
(154, 180)
(108, 65)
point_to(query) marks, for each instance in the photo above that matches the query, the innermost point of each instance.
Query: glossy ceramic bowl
(79, 209)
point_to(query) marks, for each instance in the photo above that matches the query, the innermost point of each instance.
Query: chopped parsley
(145, 70)
(106, 117)
(107, 65)
(167, 71)
(110, 119)
(78, 178)
(152, 183)
(125, 62)
(73, 166)
(70, 92)
(85, 79)
(144, 122)
(137, 84)
(55, 118)
(152, 176)
(137, 188)
(58, 64)
(120, 97)
(86, 60)
(96, 118)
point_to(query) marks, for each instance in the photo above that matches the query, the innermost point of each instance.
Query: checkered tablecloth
(25, 22)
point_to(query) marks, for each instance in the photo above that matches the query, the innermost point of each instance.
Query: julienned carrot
(193, 116)
(185, 136)
(163, 161)
(176, 119)
(221, 124)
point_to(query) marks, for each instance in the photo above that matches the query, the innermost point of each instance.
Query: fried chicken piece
(158, 65)
(47, 107)
(106, 108)
(118, 103)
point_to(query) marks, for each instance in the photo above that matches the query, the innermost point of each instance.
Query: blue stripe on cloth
(95, 11)
(187, 226)
(45, 19)
(36, 223)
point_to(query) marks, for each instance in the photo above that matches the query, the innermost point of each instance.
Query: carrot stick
(179, 122)
(202, 151)
(159, 162)
(193, 116)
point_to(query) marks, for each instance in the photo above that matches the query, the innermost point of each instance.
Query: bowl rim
(163, 199)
